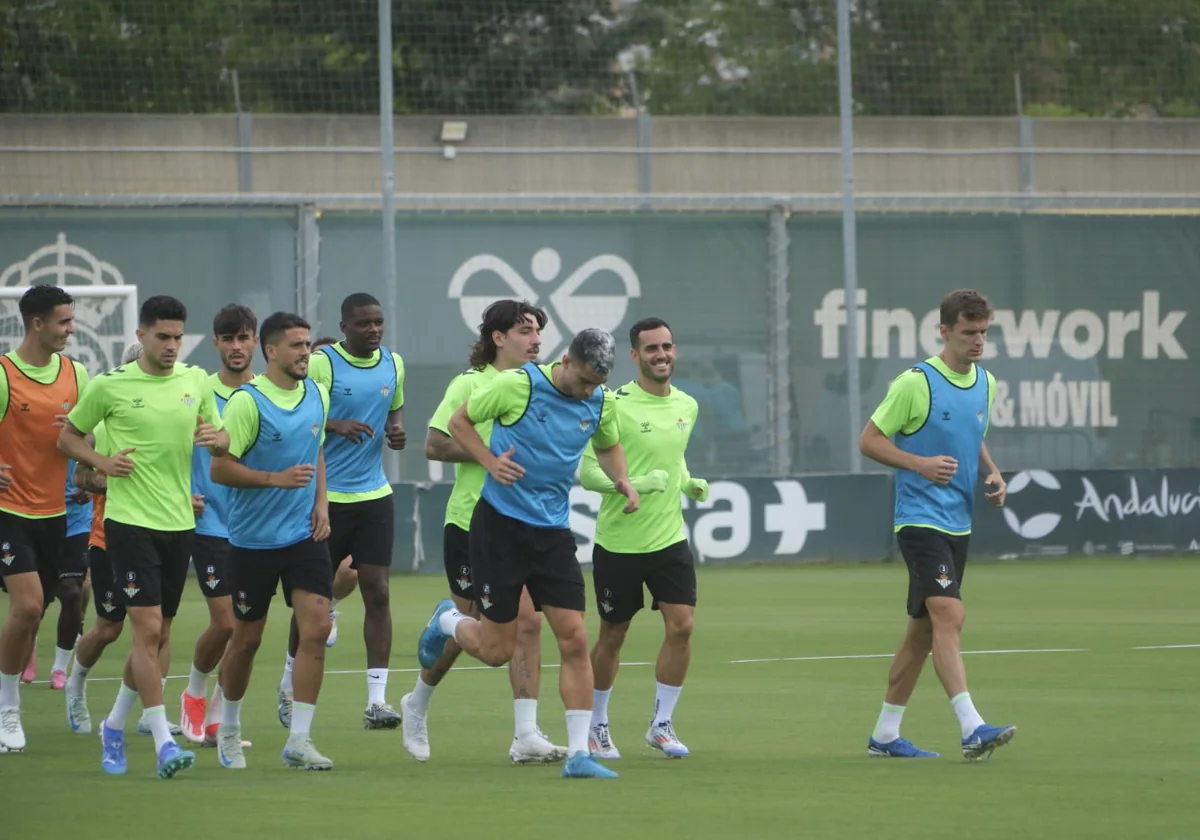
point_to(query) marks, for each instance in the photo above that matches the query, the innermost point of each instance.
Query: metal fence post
(779, 351)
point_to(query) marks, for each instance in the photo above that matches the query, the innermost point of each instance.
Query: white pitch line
(890, 655)
(341, 673)
(731, 662)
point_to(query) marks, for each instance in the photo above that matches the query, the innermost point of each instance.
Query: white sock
(197, 683)
(422, 694)
(333, 602)
(78, 675)
(968, 718)
(665, 698)
(216, 705)
(62, 658)
(156, 719)
(302, 715)
(376, 686)
(285, 684)
(10, 694)
(525, 717)
(600, 706)
(231, 713)
(126, 697)
(578, 722)
(887, 728)
(450, 620)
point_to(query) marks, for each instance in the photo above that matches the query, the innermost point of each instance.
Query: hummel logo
(945, 415)
(645, 427)
(138, 402)
(276, 437)
(346, 392)
(24, 406)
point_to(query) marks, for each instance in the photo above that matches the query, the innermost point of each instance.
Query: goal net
(105, 322)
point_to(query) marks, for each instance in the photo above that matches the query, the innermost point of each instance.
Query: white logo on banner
(721, 534)
(99, 334)
(567, 313)
(1040, 524)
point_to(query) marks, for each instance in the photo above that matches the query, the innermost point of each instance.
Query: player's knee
(612, 634)
(945, 614)
(572, 642)
(70, 592)
(109, 631)
(316, 631)
(679, 627)
(529, 627)
(26, 609)
(376, 596)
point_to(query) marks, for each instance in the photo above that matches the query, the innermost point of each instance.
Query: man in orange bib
(38, 387)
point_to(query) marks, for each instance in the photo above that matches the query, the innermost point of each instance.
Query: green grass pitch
(1106, 744)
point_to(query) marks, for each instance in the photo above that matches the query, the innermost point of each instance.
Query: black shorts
(32, 545)
(456, 552)
(936, 562)
(211, 557)
(669, 574)
(150, 567)
(362, 530)
(105, 593)
(255, 573)
(74, 562)
(508, 554)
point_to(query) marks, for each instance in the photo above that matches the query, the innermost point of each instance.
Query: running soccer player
(520, 537)
(110, 609)
(345, 579)
(156, 410)
(938, 414)
(234, 338)
(38, 386)
(365, 381)
(509, 337)
(71, 573)
(278, 524)
(647, 548)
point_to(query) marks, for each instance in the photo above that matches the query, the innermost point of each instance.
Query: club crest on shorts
(943, 579)
(606, 603)
(484, 599)
(212, 580)
(131, 587)
(242, 606)
(464, 578)
(6, 555)
(107, 603)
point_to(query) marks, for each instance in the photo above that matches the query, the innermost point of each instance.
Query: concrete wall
(339, 154)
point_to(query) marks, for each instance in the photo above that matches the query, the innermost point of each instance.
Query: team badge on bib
(188, 400)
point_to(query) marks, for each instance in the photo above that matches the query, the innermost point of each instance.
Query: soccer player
(110, 609)
(155, 410)
(345, 579)
(71, 573)
(509, 337)
(938, 414)
(365, 381)
(234, 337)
(38, 386)
(278, 524)
(647, 548)
(520, 535)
